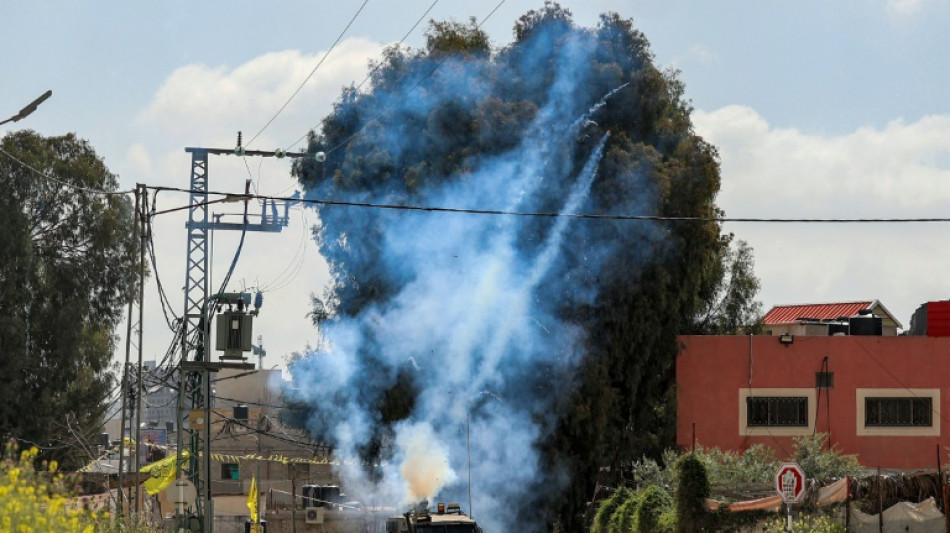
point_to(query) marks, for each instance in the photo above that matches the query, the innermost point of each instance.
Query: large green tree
(434, 120)
(65, 267)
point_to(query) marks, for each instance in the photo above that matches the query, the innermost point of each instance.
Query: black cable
(244, 402)
(150, 248)
(827, 403)
(590, 216)
(312, 72)
(154, 406)
(414, 87)
(241, 375)
(820, 385)
(446, 58)
(375, 68)
(162, 296)
(294, 266)
(934, 409)
(401, 41)
(60, 182)
(209, 312)
(247, 426)
(237, 254)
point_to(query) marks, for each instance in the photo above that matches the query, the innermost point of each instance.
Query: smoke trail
(518, 308)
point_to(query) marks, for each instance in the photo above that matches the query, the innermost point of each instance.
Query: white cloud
(904, 7)
(901, 170)
(205, 101)
(909, 8)
(200, 105)
(696, 54)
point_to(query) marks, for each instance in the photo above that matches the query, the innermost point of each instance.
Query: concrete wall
(715, 373)
(262, 387)
(353, 522)
(337, 522)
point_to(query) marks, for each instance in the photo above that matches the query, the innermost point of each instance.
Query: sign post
(790, 485)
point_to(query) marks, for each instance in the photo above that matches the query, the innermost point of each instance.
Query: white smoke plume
(474, 319)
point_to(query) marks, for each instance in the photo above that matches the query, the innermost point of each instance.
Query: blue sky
(819, 109)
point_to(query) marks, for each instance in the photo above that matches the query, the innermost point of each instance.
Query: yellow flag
(161, 474)
(252, 500)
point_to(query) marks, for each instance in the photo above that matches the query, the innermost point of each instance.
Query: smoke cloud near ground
(473, 312)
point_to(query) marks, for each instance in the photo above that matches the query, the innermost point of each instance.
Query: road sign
(790, 482)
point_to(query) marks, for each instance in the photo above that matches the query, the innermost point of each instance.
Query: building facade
(882, 398)
(245, 423)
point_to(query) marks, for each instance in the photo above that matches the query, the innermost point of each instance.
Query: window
(230, 471)
(777, 411)
(898, 412)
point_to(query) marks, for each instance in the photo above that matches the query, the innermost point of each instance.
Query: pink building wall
(713, 372)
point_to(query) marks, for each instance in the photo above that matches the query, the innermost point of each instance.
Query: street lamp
(29, 108)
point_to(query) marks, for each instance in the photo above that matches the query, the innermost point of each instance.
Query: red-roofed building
(867, 317)
(835, 368)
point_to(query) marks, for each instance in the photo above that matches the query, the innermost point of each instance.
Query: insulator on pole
(239, 150)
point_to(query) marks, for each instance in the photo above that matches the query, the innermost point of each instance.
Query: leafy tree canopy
(65, 266)
(429, 313)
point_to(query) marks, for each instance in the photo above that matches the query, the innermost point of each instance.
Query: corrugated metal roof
(787, 314)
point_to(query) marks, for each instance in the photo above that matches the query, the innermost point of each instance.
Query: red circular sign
(790, 482)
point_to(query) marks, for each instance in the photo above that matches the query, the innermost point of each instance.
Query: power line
(375, 68)
(61, 182)
(237, 253)
(293, 268)
(246, 402)
(270, 434)
(312, 72)
(415, 86)
(167, 308)
(448, 56)
(543, 214)
(401, 41)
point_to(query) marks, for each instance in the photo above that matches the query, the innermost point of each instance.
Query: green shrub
(757, 464)
(821, 462)
(606, 510)
(622, 519)
(692, 488)
(648, 471)
(654, 503)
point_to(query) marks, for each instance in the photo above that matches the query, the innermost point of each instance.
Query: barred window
(898, 412)
(777, 411)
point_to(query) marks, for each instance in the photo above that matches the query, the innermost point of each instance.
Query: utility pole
(195, 367)
(132, 397)
(259, 351)
(142, 201)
